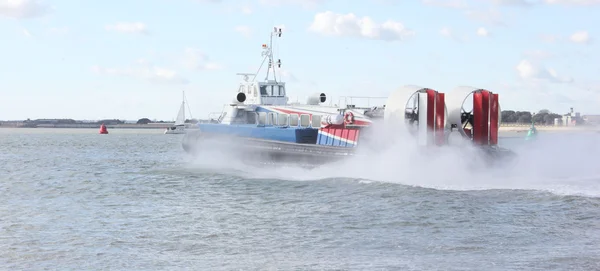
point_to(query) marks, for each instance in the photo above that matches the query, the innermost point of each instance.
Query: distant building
(591, 119)
(572, 118)
(54, 121)
(110, 121)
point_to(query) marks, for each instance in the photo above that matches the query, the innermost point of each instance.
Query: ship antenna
(276, 32)
(268, 54)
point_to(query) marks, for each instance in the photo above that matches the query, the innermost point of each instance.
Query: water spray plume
(566, 170)
(393, 152)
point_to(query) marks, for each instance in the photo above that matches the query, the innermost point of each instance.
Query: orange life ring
(349, 118)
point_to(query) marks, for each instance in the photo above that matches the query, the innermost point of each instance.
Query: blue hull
(284, 134)
(286, 145)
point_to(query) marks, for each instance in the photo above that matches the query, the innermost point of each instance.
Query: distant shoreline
(503, 128)
(549, 128)
(94, 126)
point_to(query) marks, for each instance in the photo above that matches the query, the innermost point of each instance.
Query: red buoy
(103, 129)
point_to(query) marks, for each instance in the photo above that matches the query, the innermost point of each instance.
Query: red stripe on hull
(345, 134)
(350, 135)
(361, 122)
(287, 111)
(358, 122)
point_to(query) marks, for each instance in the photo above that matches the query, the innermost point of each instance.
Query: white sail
(181, 115)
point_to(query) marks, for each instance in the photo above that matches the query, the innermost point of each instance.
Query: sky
(133, 59)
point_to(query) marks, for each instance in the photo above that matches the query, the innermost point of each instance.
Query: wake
(562, 164)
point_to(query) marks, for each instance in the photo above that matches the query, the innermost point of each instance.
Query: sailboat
(179, 127)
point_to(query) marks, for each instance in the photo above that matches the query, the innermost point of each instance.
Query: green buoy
(532, 133)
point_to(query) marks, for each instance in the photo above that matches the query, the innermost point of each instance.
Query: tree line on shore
(105, 121)
(147, 120)
(543, 117)
(72, 121)
(526, 117)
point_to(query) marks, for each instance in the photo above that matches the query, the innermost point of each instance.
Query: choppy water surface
(131, 200)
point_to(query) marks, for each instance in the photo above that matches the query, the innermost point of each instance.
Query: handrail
(346, 98)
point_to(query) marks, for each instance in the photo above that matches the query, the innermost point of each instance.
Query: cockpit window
(272, 90)
(281, 91)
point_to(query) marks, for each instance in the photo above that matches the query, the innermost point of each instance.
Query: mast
(183, 104)
(188, 105)
(191, 116)
(268, 55)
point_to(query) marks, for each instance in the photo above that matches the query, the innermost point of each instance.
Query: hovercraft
(261, 125)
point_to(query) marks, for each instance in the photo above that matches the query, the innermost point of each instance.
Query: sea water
(132, 200)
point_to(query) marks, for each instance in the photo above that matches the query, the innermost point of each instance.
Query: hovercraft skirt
(254, 149)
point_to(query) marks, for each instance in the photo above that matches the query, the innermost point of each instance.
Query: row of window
(284, 120)
(268, 90)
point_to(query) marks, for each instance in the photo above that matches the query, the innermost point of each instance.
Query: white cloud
(490, 16)
(580, 37)
(577, 37)
(533, 71)
(446, 32)
(283, 27)
(549, 38)
(538, 54)
(482, 32)
(21, 9)
(56, 31)
(145, 71)
(458, 4)
(526, 70)
(463, 4)
(142, 61)
(26, 33)
(234, 7)
(522, 3)
(246, 10)
(303, 3)
(449, 33)
(349, 25)
(211, 66)
(287, 75)
(573, 2)
(197, 60)
(128, 27)
(244, 30)
(548, 87)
